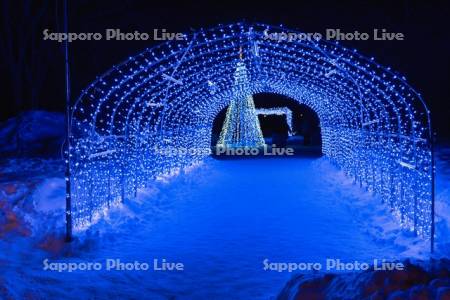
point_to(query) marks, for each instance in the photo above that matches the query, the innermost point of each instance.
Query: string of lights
(373, 124)
(241, 127)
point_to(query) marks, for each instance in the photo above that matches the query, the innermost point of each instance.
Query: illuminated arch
(374, 125)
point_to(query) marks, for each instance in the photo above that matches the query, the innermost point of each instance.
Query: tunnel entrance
(285, 123)
(151, 117)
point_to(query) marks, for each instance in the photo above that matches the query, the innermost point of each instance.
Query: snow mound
(369, 213)
(442, 205)
(32, 133)
(49, 195)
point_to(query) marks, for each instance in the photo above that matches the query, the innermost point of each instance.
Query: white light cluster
(373, 124)
(241, 127)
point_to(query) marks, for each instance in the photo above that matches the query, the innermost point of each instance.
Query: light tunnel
(373, 124)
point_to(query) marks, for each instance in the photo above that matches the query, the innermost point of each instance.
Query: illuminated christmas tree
(241, 128)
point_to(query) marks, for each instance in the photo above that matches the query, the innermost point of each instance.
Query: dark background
(32, 70)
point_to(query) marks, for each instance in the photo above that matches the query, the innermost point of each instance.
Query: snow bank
(442, 205)
(32, 133)
(49, 197)
(427, 279)
(369, 213)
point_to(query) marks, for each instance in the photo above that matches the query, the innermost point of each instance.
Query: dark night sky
(423, 57)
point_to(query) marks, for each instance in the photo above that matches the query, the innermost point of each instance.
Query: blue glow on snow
(221, 220)
(373, 124)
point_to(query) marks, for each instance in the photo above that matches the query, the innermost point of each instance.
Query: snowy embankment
(422, 278)
(31, 178)
(32, 222)
(32, 133)
(442, 206)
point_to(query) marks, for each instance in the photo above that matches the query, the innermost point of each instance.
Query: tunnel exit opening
(286, 124)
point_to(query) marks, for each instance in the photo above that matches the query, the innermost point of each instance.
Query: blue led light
(373, 124)
(241, 127)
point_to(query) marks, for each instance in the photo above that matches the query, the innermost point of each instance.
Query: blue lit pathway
(222, 220)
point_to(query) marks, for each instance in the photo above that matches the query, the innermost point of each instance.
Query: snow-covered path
(221, 220)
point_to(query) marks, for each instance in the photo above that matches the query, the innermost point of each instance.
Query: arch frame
(375, 126)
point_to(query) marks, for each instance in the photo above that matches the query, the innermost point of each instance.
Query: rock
(10, 221)
(443, 293)
(439, 282)
(287, 290)
(416, 274)
(377, 296)
(310, 295)
(395, 283)
(420, 292)
(10, 188)
(404, 279)
(375, 283)
(398, 295)
(441, 268)
(415, 282)
(4, 293)
(52, 244)
(314, 288)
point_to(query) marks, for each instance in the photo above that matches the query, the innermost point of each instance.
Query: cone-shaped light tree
(241, 127)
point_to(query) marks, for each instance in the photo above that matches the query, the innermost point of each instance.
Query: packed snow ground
(221, 220)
